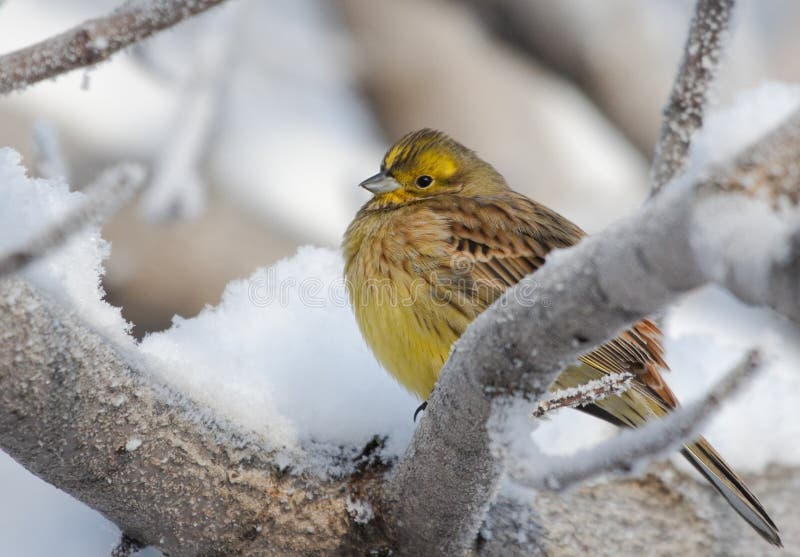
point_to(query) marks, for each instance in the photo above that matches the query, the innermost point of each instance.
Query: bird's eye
(424, 181)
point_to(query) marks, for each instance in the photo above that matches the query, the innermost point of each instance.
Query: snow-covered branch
(104, 196)
(683, 114)
(77, 413)
(633, 449)
(616, 277)
(94, 41)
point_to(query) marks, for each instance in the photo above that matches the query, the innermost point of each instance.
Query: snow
(36, 516)
(707, 333)
(72, 274)
(752, 114)
(745, 231)
(282, 355)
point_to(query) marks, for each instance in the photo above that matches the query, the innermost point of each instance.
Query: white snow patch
(70, 275)
(282, 355)
(742, 236)
(755, 112)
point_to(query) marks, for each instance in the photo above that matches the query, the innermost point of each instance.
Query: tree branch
(635, 448)
(683, 114)
(94, 41)
(104, 196)
(77, 414)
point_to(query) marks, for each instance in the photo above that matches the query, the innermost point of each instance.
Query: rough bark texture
(76, 414)
(683, 115)
(95, 40)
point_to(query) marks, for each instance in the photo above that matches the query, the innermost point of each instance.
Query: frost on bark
(683, 114)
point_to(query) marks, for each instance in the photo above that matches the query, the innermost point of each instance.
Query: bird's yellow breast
(390, 283)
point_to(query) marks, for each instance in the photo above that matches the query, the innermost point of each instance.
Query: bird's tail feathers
(711, 465)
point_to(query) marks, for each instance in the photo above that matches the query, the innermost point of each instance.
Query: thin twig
(94, 40)
(638, 447)
(683, 114)
(105, 195)
(608, 385)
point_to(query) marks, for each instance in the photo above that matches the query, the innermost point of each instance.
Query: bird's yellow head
(426, 163)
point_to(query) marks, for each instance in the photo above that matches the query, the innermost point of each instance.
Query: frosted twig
(683, 114)
(608, 385)
(49, 159)
(106, 194)
(638, 447)
(94, 40)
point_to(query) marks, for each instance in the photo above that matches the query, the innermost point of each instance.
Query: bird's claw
(419, 409)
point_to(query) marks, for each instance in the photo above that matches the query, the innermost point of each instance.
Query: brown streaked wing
(506, 239)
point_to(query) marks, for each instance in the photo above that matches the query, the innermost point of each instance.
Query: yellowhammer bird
(441, 239)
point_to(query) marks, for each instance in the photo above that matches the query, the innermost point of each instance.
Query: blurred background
(257, 120)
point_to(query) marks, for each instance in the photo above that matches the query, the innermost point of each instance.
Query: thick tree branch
(77, 414)
(94, 41)
(683, 114)
(443, 485)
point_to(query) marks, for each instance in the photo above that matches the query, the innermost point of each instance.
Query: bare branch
(609, 385)
(683, 114)
(104, 196)
(635, 448)
(94, 41)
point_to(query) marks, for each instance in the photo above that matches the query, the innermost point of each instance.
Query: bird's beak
(380, 183)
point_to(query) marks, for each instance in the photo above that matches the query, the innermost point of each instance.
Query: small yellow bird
(441, 239)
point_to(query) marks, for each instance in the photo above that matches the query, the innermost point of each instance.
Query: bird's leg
(419, 409)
